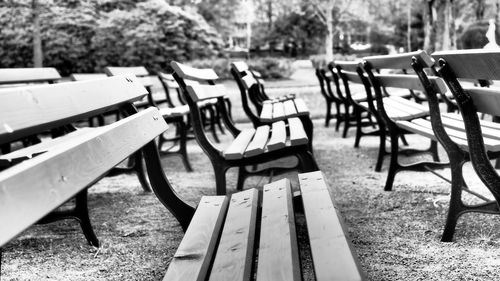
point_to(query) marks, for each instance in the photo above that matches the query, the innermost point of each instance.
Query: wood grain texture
(197, 74)
(278, 250)
(259, 141)
(26, 75)
(289, 107)
(33, 188)
(298, 135)
(62, 102)
(237, 148)
(278, 136)
(472, 64)
(330, 247)
(192, 259)
(233, 260)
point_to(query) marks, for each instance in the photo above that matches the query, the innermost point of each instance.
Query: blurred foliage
(87, 35)
(269, 67)
(319, 61)
(474, 36)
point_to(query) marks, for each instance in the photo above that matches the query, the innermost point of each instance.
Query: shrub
(320, 61)
(269, 67)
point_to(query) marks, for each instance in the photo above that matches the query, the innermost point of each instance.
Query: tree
(440, 33)
(37, 37)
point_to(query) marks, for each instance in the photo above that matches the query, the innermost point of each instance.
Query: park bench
(250, 146)
(273, 110)
(252, 236)
(176, 115)
(38, 179)
(330, 99)
(395, 110)
(465, 137)
(350, 72)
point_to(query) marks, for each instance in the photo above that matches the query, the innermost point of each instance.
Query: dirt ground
(395, 234)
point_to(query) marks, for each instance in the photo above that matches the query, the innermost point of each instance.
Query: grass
(395, 234)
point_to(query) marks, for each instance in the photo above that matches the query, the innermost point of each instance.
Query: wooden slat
(199, 92)
(409, 106)
(188, 72)
(26, 75)
(33, 188)
(330, 247)
(301, 106)
(298, 135)
(278, 250)
(124, 70)
(486, 100)
(352, 77)
(240, 66)
(278, 136)
(168, 79)
(181, 110)
(412, 82)
(248, 81)
(472, 64)
(398, 61)
(483, 123)
(266, 114)
(86, 76)
(192, 259)
(237, 148)
(233, 260)
(289, 107)
(278, 111)
(348, 65)
(259, 141)
(67, 102)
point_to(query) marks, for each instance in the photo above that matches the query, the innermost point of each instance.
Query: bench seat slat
(39, 185)
(289, 107)
(237, 148)
(486, 130)
(278, 136)
(278, 111)
(298, 135)
(266, 114)
(192, 259)
(258, 143)
(331, 252)
(233, 260)
(174, 111)
(301, 106)
(278, 254)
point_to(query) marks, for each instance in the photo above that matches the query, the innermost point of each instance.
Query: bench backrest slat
(399, 61)
(481, 64)
(28, 75)
(351, 66)
(486, 100)
(87, 76)
(123, 70)
(187, 72)
(352, 77)
(31, 189)
(63, 103)
(249, 81)
(409, 82)
(240, 66)
(199, 92)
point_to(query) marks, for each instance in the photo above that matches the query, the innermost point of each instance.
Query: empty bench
(252, 236)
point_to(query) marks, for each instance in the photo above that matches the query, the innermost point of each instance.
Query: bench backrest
(34, 187)
(478, 65)
(139, 71)
(199, 85)
(249, 90)
(168, 82)
(29, 75)
(87, 76)
(352, 72)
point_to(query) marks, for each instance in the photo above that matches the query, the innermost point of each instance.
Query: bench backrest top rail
(199, 92)
(349, 65)
(45, 106)
(28, 75)
(239, 66)
(87, 76)
(399, 61)
(188, 72)
(472, 64)
(122, 70)
(34, 187)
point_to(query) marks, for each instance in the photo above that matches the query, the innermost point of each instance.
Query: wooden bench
(176, 115)
(29, 75)
(250, 146)
(395, 110)
(464, 137)
(350, 72)
(252, 236)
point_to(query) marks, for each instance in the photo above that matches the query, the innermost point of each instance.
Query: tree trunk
(408, 32)
(37, 37)
(440, 31)
(329, 35)
(480, 6)
(429, 31)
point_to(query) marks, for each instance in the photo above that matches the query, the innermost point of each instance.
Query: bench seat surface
(273, 111)
(276, 254)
